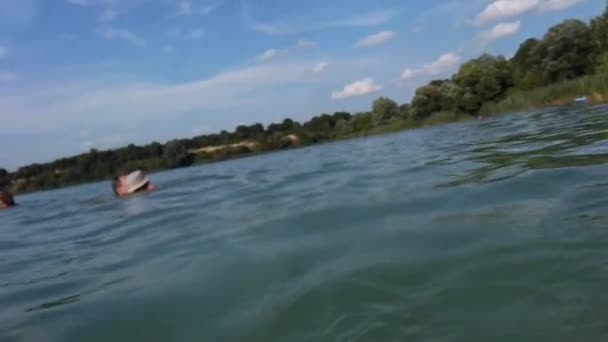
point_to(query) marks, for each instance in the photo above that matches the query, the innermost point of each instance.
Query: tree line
(567, 51)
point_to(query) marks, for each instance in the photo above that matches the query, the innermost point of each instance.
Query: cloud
(50, 106)
(112, 140)
(499, 31)
(274, 53)
(271, 54)
(200, 130)
(376, 39)
(173, 32)
(501, 9)
(444, 63)
(320, 67)
(195, 34)
(176, 32)
(210, 8)
(303, 43)
(110, 7)
(185, 7)
(114, 33)
(297, 25)
(188, 7)
(408, 74)
(108, 15)
(3, 52)
(8, 76)
(79, 2)
(358, 88)
(558, 5)
(18, 14)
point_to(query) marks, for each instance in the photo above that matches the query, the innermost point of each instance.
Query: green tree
(483, 79)
(524, 60)
(599, 31)
(404, 111)
(362, 122)
(452, 95)
(343, 127)
(174, 154)
(342, 116)
(4, 178)
(383, 110)
(566, 51)
(426, 101)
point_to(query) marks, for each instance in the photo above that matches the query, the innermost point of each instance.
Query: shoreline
(391, 128)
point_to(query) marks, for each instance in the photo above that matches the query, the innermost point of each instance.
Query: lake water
(493, 230)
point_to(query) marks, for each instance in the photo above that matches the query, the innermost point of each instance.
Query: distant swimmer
(6, 199)
(134, 182)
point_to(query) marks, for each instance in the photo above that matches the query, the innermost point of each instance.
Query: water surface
(493, 230)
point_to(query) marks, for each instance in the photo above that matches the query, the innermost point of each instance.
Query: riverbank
(594, 87)
(246, 149)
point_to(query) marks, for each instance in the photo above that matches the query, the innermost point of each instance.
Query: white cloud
(112, 140)
(408, 74)
(49, 106)
(109, 14)
(114, 33)
(176, 32)
(274, 53)
(18, 14)
(79, 2)
(8, 76)
(3, 52)
(189, 7)
(195, 34)
(504, 9)
(210, 8)
(376, 39)
(303, 43)
(320, 67)
(173, 32)
(501, 9)
(499, 31)
(558, 5)
(271, 54)
(185, 7)
(358, 88)
(300, 24)
(444, 63)
(110, 8)
(200, 130)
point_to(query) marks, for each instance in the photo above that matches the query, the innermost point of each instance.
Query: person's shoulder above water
(131, 183)
(6, 199)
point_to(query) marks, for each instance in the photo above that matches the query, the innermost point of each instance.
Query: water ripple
(479, 230)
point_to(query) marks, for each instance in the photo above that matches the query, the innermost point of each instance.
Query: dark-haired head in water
(6, 199)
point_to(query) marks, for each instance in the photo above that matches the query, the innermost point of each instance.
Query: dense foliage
(571, 50)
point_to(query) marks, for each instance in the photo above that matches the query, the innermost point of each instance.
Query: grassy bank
(595, 87)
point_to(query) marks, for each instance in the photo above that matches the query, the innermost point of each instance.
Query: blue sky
(81, 74)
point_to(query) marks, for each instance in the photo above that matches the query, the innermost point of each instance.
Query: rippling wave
(472, 231)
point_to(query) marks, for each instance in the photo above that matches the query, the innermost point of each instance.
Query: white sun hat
(135, 180)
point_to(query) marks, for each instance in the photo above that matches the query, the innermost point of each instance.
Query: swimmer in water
(134, 182)
(6, 199)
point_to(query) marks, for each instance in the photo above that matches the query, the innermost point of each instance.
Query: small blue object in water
(581, 99)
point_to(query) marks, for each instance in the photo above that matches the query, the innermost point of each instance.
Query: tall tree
(383, 109)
